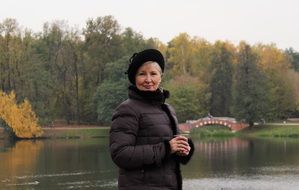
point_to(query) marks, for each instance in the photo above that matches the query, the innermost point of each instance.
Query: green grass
(212, 131)
(73, 133)
(272, 130)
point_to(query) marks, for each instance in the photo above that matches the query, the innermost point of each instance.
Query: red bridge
(231, 123)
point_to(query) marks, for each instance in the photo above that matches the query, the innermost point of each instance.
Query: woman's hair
(155, 64)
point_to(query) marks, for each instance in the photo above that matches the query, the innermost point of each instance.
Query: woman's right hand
(179, 144)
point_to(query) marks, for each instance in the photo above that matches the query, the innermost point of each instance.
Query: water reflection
(21, 156)
(221, 148)
(6, 145)
(227, 164)
(58, 164)
(257, 182)
(243, 164)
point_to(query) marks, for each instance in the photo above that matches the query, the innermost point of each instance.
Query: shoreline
(271, 130)
(67, 132)
(75, 132)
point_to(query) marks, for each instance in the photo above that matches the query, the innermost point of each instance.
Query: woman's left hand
(183, 153)
(179, 144)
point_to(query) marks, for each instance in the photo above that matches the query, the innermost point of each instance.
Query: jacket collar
(158, 96)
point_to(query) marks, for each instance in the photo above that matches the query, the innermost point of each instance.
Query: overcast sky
(265, 21)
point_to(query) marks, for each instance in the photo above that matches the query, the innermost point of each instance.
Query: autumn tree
(65, 72)
(179, 54)
(19, 117)
(280, 91)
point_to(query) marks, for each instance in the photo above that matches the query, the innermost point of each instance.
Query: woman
(144, 140)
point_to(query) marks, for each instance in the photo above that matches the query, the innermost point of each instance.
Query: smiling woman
(148, 77)
(144, 140)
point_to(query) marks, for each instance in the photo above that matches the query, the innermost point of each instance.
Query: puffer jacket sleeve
(123, 149)
(181, 159)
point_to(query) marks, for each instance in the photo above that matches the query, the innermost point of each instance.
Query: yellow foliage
(272, 58)
(188, 55)
(20, 118)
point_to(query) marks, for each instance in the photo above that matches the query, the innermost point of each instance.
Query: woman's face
(148, 77)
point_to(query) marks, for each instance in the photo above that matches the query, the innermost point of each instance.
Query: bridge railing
(231, 123)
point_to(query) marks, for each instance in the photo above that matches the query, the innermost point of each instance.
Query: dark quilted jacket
(139, 145)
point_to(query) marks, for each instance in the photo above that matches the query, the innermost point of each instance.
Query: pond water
(222, 164)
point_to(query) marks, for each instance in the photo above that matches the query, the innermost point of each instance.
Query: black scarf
(159, 95)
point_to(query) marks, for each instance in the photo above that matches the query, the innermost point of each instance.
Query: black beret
(139, 58)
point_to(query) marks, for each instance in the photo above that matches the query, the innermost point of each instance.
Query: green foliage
(221, 80)
(112, 91)
(212, 131)
(66, 74)
(294, 58)
(188, 97)
(108, 96)
(133, 42)
(278, 130)
(249, 103)
(274, 64)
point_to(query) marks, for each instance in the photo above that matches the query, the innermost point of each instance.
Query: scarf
(159, 95)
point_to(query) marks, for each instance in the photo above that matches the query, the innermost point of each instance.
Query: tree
(36, 79)
(221, 79)
(179, 54)
(249, 90)
(102, 44)
(114, 87)
(132, 42)
(56, 49)
(188, 96)
(201, 59)
(280, 91)
(10, 54)
(20, 118)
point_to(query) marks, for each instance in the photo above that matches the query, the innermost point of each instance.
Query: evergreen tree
(249, 91)
(221, 80)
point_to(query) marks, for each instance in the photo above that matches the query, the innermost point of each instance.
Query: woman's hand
(179, 145)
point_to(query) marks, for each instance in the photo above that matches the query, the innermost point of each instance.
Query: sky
(253, 21)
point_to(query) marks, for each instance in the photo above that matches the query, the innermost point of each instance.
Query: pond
(224, 164)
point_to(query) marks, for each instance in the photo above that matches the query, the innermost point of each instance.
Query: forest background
(78, 76)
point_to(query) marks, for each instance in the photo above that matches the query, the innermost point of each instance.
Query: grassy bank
(277, 130)
(212, 131)
(271, 130)
(71, 133)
